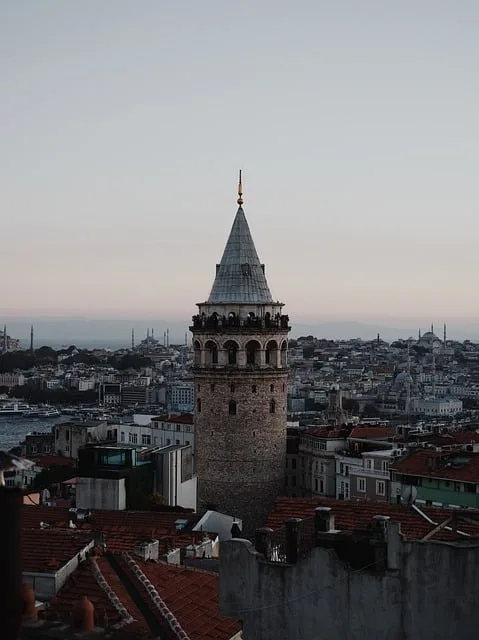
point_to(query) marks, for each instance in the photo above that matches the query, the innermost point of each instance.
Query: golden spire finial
(240, 191)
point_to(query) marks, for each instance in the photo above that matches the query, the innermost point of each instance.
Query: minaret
(240, 340)
(31, 339)
(132, 339)
(148, 339)
(5, 339)
(445, 335)
(168, 338)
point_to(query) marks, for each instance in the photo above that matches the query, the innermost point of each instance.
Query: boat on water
(14, 410)
(47, 414)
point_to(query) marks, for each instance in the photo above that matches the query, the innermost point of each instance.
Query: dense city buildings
(351, 465)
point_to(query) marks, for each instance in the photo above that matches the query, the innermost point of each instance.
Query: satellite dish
(409, 494)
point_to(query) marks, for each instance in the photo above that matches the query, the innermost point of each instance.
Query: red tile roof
(350, 515)
(192, 596)
(452, 465)
(53, 461)
(83, 582)
(372, 433)
(122, 530)
(46, 550)
(324, 432)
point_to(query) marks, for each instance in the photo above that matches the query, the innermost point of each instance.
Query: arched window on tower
(231, 349)
(253, 352)
(211, 350)
(232, 408)
(197, 349)
(271, 353)
(272, 406)
(284, 353)
(198, 405)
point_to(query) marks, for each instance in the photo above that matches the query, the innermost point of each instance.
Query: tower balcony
(216, 323)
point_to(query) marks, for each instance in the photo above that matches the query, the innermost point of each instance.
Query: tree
(308, 351)
(351, 405)
(370, 411)
(46, 355)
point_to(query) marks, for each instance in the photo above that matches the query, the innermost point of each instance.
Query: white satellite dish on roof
(409, 494)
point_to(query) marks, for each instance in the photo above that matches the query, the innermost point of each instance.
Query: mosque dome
(403, 379)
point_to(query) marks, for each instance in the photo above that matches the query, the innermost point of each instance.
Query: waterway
(14, 430)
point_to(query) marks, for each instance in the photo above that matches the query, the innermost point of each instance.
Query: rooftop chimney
(29, 605)
(83, 618)
(323, 520)
(11, 602)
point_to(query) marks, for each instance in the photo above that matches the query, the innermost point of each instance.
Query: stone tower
(241, 378)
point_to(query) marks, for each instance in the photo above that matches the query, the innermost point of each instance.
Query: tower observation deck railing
(216, 322)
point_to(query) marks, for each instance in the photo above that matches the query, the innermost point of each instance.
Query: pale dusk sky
(124, 123)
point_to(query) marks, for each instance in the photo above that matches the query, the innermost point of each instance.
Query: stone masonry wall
(240, 459)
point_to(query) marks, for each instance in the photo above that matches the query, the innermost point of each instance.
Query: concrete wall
(101, 493)
(47, 585)
(427, 593)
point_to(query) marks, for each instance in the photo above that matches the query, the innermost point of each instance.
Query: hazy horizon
(113, 332)
(125, 124)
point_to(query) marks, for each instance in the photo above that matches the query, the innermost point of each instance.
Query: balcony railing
(218, 323)
(370, 473)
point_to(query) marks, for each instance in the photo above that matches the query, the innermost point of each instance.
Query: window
(232, 408)
(293, 463)
(198, 405)
(33, 448)
(457, 486)
(199, 387)
(341, 468)
(253, 388)
(271, 388)
(46, 448)
(177, 442)
(187, 442)
(133, 438)
(316, 485)
(67, 434)
(145, 439)
(321, 486)
(380, 488)
(122, 436)
(178, 427)
(283, 387)
(232, 388)
(369, 463)
(362, 485)
(212, 387)
(385, 465)
(272, 406)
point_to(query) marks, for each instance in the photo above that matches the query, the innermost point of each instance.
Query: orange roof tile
(122, 530)
(350, 515)
(192, 596)
(452, 465)
(372, 433)
(46, 550)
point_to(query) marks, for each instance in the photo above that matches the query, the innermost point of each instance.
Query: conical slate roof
(239, 276)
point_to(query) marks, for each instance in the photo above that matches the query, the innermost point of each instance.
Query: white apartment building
(162, 431)
(436, 406)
